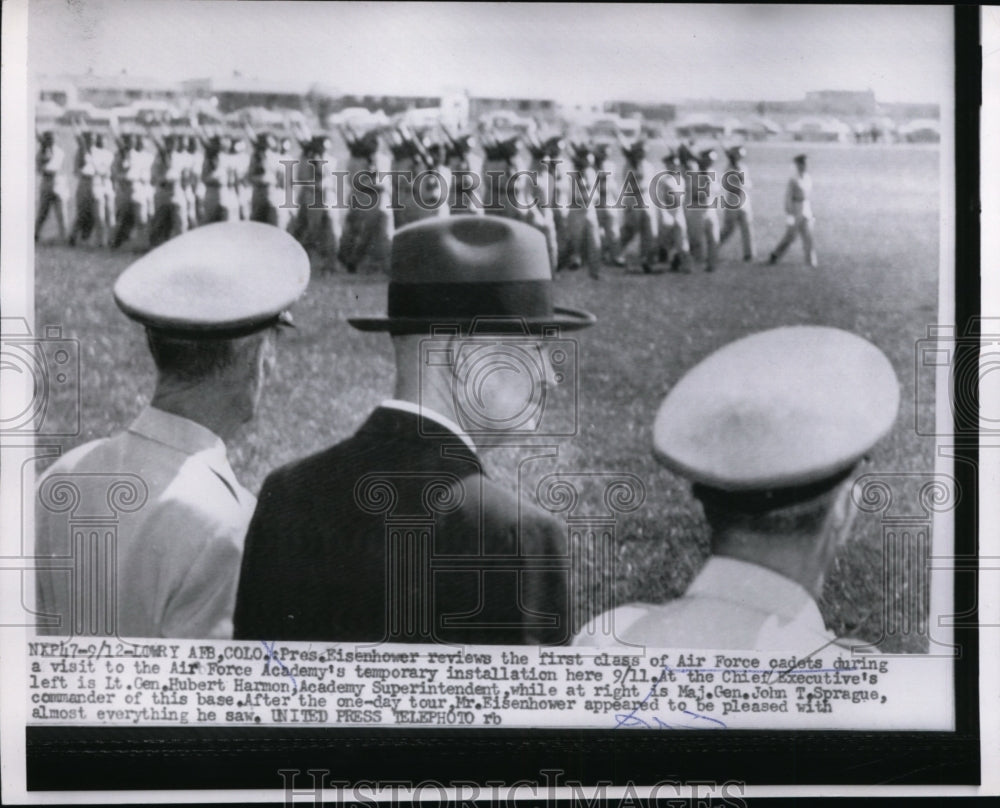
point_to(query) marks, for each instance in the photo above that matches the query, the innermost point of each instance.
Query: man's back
(731, 604)
(395, 536)
(180, 521)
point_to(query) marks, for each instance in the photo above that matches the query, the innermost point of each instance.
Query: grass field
(877, 236)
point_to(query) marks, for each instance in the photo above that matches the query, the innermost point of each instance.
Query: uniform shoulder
(69, 462)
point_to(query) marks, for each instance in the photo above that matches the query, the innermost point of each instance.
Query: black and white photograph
(482, 368)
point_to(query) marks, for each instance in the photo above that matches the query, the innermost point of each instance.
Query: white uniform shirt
(140, 165)
(670, 190)
(734, 179)
(102, 159)
(731, 604)
(797, 197)
(178, 555)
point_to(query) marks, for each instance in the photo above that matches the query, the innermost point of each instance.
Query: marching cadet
(702, 212)
(771, 430)
(421, 181)
(52, 186)
(221, 203)
(671, 194)
(736, 185)
(641, 215)
(368, 226)
(135, 166)
(502, 162)
(191, 180)
(169, 203)
(799, 214)
(609, 215)
(210, 302)
(544, 212)
(261, 175)
(466, 165)
(584, 229)
(103, 159)
(283, 212)
(321, 562)
(404, 166)
(86, 218)
(237, 171)
(322, 231)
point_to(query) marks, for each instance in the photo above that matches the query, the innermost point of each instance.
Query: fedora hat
(471, 270)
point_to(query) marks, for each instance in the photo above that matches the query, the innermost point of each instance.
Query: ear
(842, 513)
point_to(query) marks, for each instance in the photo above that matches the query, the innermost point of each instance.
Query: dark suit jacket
(397, 536)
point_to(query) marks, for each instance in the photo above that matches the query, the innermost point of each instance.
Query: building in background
(238, 91)
(105, 92)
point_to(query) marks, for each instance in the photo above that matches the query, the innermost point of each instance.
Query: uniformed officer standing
(770, 429)
(210, 301)
(798, 210)
(53, 188)
(736, 183)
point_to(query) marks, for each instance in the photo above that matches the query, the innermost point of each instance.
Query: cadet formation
(598, 204)
(769, 431)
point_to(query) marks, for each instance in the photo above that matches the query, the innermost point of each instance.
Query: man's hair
(195, 360)
(792, 513)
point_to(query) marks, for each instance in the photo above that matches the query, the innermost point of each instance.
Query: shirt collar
(753, 586)
(431, 415)
(189, 438)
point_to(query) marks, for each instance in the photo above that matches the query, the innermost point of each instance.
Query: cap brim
(563, 318)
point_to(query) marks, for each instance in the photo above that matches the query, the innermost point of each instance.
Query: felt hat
(471, 271)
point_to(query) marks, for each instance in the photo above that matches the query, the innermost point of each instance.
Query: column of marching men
(141, 187)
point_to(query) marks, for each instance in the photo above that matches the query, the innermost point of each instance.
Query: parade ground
(877, 234)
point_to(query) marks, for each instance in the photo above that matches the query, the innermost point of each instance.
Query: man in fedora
(397, 534)
(770, 429)
(210, 302)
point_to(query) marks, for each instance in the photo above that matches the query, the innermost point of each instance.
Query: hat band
(234, 332)
(458, 301)
(758, 502)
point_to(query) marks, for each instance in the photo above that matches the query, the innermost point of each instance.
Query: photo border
(116, 758)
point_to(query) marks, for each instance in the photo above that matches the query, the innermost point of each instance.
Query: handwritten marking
(271, 657)
(632, 720)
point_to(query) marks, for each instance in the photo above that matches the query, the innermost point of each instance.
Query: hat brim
(565, 319)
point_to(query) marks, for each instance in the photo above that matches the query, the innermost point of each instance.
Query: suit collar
(431, 422)
(403, 424)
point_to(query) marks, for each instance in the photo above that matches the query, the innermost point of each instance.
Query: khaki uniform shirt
(731, 604)
(178, 542)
